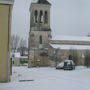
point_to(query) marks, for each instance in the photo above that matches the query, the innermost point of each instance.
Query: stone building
(40, 33)
(45, 50)
(5, 31)
(65, 46)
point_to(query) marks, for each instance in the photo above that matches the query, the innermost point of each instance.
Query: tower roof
(43, 2)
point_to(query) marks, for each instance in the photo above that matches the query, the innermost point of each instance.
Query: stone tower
(40, 32)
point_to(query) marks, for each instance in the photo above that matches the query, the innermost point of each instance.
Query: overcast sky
(68, 17)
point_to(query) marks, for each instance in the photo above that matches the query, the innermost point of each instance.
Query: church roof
(69, 47)
(43, 2)
(71, 38)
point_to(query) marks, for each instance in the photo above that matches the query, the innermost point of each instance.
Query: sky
(68, 17)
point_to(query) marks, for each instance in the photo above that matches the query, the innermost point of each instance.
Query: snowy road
(48, 79)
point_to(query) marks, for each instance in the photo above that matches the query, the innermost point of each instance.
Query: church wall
(64, 54)
(38, 59)
(37, 35)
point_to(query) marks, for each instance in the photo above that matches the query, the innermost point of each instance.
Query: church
(41, 42)
(40, 33)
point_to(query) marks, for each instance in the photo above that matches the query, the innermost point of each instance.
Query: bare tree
(87, 58)
(12, 41)
(22, 43)
(15, 42)
(22, 46)
(17, 39)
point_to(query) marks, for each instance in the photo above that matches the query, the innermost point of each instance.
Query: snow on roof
(71, 38)
(7, 1)
(24, 57)
(17, 55)
(67, 47)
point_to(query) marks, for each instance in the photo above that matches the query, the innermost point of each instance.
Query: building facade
(5, 31)
(69, 47)
(40, 33)
(45, 50)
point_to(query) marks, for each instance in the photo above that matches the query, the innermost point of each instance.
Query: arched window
(41, 16)
(46, 17)
(40, 39)
(36, 16)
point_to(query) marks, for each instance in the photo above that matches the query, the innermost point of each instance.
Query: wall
(5, 24)
(62, 54)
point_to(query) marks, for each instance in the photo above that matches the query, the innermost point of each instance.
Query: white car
(60, 65)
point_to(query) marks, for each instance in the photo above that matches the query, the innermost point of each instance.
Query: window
(40, 39)
(46, 17)
(41, 16)
(36, 16)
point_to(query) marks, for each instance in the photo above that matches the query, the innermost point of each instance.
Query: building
(45, 50)
(24, 60)
(18, 59)
(5, 31)
(15, 58)
(65, 46)
(40, 33)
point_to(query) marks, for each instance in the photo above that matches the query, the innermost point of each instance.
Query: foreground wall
(5, 31)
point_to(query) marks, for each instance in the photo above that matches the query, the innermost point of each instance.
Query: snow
(71, 38)
(17, 55)
(68, 47)
(48, 79)
(24, 57)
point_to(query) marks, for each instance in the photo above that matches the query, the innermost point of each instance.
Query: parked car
(60, 65)
(69, 65)
(66, 65)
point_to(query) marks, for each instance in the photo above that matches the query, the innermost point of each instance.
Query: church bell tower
(40, 31)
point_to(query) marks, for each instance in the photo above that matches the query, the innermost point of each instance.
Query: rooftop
(7, 1)
(71, 38)
(68, 47)
(43, 2)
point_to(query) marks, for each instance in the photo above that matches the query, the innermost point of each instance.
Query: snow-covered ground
(48, 79)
